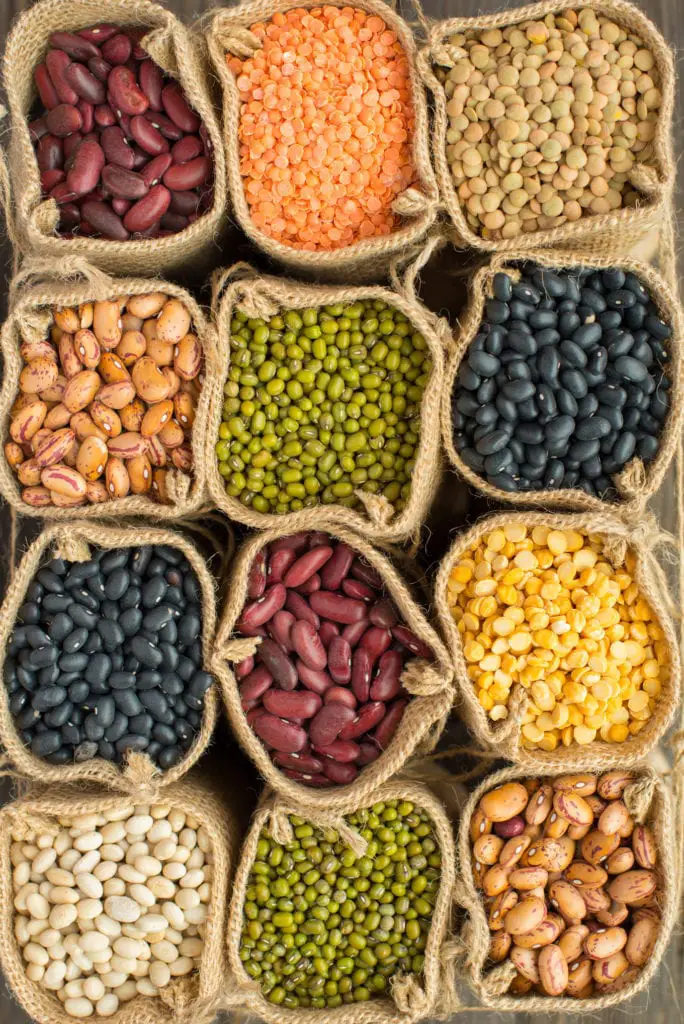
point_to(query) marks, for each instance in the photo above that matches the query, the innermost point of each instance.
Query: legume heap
(325, 127)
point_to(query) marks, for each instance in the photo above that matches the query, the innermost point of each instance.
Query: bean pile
(112, 905)
(570, 882)
(117, 145)
(325, 130)
(325, 928)
(547, 119)
(546, 610)
(323, 692)
(321, 403)
(565, 382)
(106, 403)
(107, 658)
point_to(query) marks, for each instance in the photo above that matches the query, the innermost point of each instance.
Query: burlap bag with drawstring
(637, 482)
(642, 538)
(73, 541)
(260, 296)
(186, 1000)
(610, 233)
(228, 34)
(35, 291)
(412, 998)
(649, 802)
(181, 53)
(430, 682)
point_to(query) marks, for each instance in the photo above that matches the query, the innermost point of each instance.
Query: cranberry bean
(361, 570)
(340, 774)
(299, 763)
(328, 723)
(99, 67)
(148, 210)
(306, 565)
(387, 682)
(63, 119)
(86, 169)
(327, 633)
(177, 108)
(279, 734)
(154, 170)
(362, 668)
(341, 694)
(125, 93)
(186, 149)
(313, 679)
(57, 62)
(124, 184)
(148, 137)
(337, 567)
(512, 827)
(302, 704)
(385, 731)
(414, 644)
(117, 49)
(77, 47)
(49, 153)
(338, 608)
(165, 125)
(151, 82)
(85, 84)
(308, 646)
(183, 203)
(278, 664)
(279, 563)
(367, 717)
(340, 660)
(301, 609)
(181, 177)
(46, 90)
(256, 580)
(105, 221)
(98, 33)
(280, 629)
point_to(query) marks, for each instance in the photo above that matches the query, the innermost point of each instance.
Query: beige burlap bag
(637, 482)
(429, 682)
(73, 541)
(642, 539)
(181, 53)
(649, 802)
(597, 235)
(228, 33)
(188, 999)
(243, 288)
(42, 285)
(412, 998)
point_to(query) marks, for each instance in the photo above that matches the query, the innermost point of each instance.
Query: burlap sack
(611, 233)
(188, 999)
(412, 999)
(243, 288)
(73, 541)
(40, 286)
(649, 802)
(643, 538)
(228, 31)
(429, 682)
(181, 53)
(637, 482)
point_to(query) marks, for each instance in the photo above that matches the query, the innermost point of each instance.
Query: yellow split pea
(544, 608)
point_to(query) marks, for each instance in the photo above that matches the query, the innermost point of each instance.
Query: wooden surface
(443, 292)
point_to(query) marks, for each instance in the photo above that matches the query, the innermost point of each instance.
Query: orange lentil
(325, 122)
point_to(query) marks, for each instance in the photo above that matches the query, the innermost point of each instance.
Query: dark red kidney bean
(326, 725)
(98, 33)
(301, 609)
(337, 568)
(99, 67)
(387, 682)
(71, 144)
(117, 49)
(327, 633)
(37, 129)
(206, 140)
(123, 120)
(341, 694)
(87, 112)
(148, 210)
(256, 683)
(279, 734)
(279, 563)
(49, 179)
(128, 98)
(244, 667)
(296, 541)
(249, 705)
(46, 90)
(256, 578)
(318, 538)
(367, 717)
(181, 177)
(314, 780)
(255, 713)
(336, 607)
(85, 84)
(387, 728)
(302, 704)
(153, 232)
(57, 62)
(308, 646)
(151, 79)
(362, 668)
(369, 752)
(121, 206)
(61, 193)
(313, 679)
(361, 570)
(104, 220)
(104, 117)
(300, 763)
(63, 119)
(340, 774)
(376, 641)
(148, 137)
(96, 195)
(135, 35)
(383, 613)
(280, 629)
(340, 659)
(116, 148)
(308, 564)
(69, 216)
(186, 149)
(49, 153)
(122, 183)
(264, 608)
(311, 586)
(413, 643)
(278, 663)
(140, 157)
(153, 172)
(353, 633)
(256, 630)
(184, 203)
(358, 590)
(77, 47)
(86, 168)
(178, 109)
(342, 751)
(165, 125)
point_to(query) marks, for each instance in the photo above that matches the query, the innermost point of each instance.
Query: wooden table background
(455, 506)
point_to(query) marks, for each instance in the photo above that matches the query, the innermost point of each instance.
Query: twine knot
(412, 203)
(238, 648)
(410, 996)
(631, 483)
(34, 324)
(141, 774)
(181, 997)
(422, 679)
(638, 797)
(45, 217)
(239, 41)
(178, 486)
(645, 179)
(498, 980)
(282, 832)
(254, 303)
(380, 510)
(446, 54)
(160, 44)
(72, 548)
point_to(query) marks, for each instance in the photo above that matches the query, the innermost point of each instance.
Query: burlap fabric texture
(649, 802)
(186, 999)
(74, 541)
(637, 482)
(430, 682)
(412, 997)
(242, 288)
(178, 51)
(42, 285)
(228, 33)
(643, 539)
(611, 233)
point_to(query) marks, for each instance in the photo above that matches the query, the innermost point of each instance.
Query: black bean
(78, 692)
(48, 697)
(145, 651)
(484, 364)
(468, 378)
(75, 641)
(127, 702)
(592, 428)
(647, 448)
(630, 368)
(29, 612)
(132, 741)
(131, 598)
(502, 287)
(504, 482)
(497, 312)
(489, 444)
(588, 335)
(575, 382)
(624, 447)
(85, 751)
(530, 432)
(657, 328)
(118, 727)
(518, 390)
(553, 477)
(46, 743)
(98, 668)
(154, 592)
(41, 657)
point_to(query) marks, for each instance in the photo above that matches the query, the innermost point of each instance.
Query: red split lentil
(325, 127)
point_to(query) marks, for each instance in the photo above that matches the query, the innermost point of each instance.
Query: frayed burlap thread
(228, 33)
(413, 998)
(242, 288)
(185, 999)
(648, 800)
(180, 52)
(429, 682)
(603, 234)
(43, 284)
(503, 737)
(73, 541)
(637, 482)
